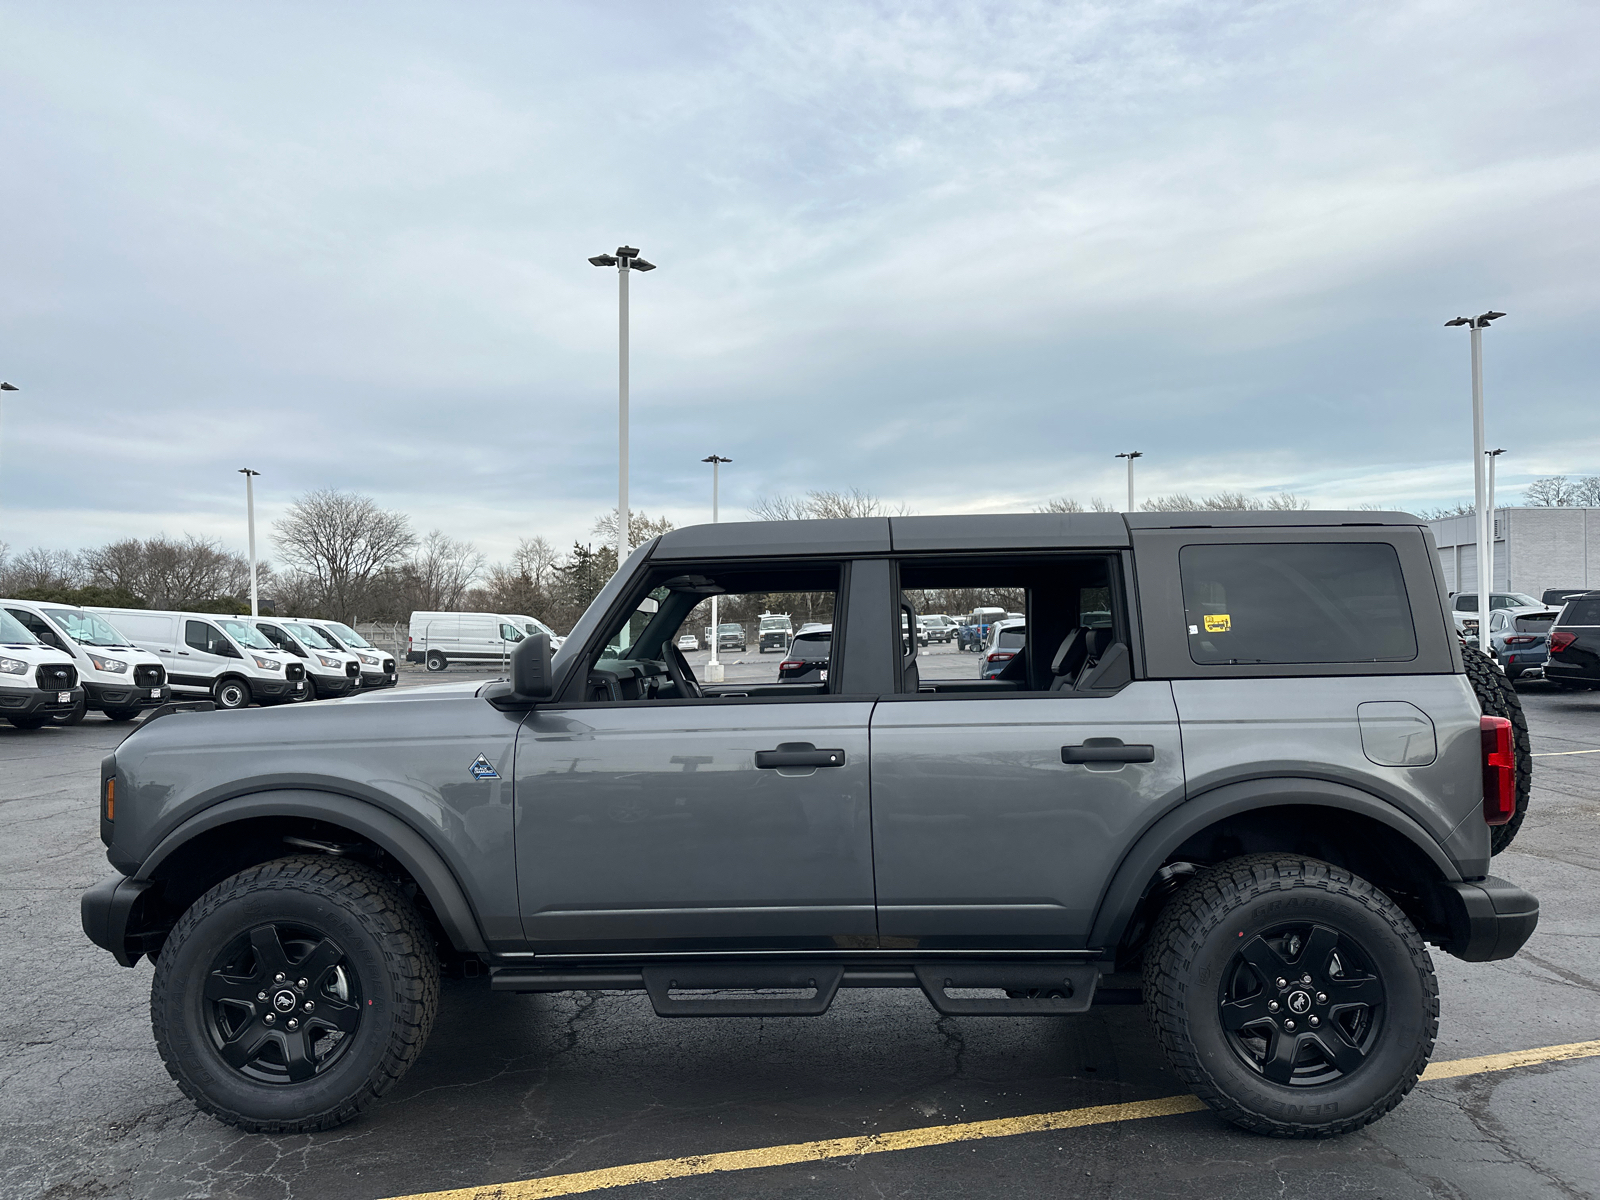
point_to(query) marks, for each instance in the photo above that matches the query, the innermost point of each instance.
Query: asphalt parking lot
(519, 1088)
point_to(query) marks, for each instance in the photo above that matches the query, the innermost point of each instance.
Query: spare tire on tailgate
(1497, 698)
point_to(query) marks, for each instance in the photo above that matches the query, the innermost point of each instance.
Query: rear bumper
(102, 696)
(28, 702)
(1488, 919)
(1555, 668)
(107, 909)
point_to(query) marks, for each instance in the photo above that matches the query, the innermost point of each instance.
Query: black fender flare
(408, 847)
(1140, 864)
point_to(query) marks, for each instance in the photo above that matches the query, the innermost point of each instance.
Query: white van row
(438, 639)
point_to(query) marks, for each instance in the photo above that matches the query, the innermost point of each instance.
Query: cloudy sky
(955, 254)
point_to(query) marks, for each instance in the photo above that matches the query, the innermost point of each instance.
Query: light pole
(8, 387)
(1130, 456)
(626, 259)
(1480, 497)
(714, 670)
(250, 519)
(1491, 455)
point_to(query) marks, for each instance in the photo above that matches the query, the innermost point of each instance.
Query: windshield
(812, 645)
(13, 630)
(245, 634)
(308, 635)
(85, 628)
(347, 635)
(774, 623)
(728, 629)
(1534, 623)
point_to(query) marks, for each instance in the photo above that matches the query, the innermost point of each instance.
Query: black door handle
(798, 754)
(1116, 752)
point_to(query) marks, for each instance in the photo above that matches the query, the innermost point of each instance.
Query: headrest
(1099, 641)
(1071, 654)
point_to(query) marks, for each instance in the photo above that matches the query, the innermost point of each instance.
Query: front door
(203, 655)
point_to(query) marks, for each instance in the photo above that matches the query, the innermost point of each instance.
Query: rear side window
(1581, 612)
(1308, 602)
(812, 646)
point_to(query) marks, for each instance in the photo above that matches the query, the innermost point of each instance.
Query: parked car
(332, 672)
(37, 682)
(438, 639)
(117, 677)
(688, 642)
(377, 666)
(1005, 641)
(1574, 644)
(807, 660)
(974, 627)
(774, 632)
(1271, 783)
(1464, 607)
(209, 655)
(1519, 637)
(1556, 597)
(730, 636)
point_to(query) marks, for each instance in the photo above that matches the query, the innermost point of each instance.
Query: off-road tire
(1498, 698)
(1194, 942)
(386, 946)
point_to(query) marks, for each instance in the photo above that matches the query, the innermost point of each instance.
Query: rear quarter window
(1580, 612)
(1296, 603)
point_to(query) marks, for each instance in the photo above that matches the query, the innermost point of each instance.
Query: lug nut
(1281, 982)
(268, 1019)
(293, 1024)
(1322, 997)
(1273, 1006)
(278, 978)
(261, 995)
(302, 983)
(310, 1005)
(1303, 979)
(1315, 1021)
(1289, 1025)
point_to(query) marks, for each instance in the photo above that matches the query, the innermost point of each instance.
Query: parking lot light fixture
(1130, 455)
(714, 670)
(626, 260)
(1480, 483)
(250, 520)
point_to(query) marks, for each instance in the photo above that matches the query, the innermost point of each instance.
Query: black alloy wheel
(282, 1003)
(1301, 1005)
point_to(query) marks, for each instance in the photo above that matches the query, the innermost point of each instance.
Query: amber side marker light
(111, 799)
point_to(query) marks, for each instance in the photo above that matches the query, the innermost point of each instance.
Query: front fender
(1139, 865)
(394, 836)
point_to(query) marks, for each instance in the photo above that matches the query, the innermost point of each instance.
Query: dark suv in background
(1574, 651)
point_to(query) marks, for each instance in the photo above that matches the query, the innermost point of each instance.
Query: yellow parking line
(1559, 753)
(933, 1135)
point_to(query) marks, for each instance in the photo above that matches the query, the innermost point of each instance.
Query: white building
(1534, 549)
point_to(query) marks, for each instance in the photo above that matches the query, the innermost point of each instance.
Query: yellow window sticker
(1218, 623)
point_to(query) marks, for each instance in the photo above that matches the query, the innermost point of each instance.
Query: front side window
(1296, 603)
(510, 633)
(198, 635)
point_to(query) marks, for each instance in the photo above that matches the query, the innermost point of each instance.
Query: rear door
(1000, 807)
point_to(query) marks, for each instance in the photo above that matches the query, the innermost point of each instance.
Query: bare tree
(38, 569)
(1225, 502)
(824, 504)
(641, 528)
(1555, 491)
(1065, 504)
(438, 576)
(345, 542)
(171, 573)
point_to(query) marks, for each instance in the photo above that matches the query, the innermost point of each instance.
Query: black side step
(660, 982)
(1039, 989)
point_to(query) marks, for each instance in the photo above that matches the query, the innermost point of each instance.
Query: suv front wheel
(1291, 996)
(293, 994)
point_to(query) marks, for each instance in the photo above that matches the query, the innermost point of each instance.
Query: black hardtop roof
(999, 531)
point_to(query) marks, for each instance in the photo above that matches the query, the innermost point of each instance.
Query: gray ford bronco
(1248, 801)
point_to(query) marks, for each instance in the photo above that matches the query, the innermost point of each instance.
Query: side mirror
(531, 678)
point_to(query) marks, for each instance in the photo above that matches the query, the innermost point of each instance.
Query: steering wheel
(678, 668)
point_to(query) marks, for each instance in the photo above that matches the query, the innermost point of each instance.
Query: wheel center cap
(1299, 1002)
(284, 1001)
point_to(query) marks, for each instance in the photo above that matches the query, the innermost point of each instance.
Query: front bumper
(102, 696)
(335, 685)
(279, 689)
(1488, 919)
(371, 680)
(28, 702)
(107, 909)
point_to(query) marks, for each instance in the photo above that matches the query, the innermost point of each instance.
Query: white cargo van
(332, 672)
(532, 625)
(441, 638)
(206, 654)
(118, 678)
(37, 683)
(377, 666)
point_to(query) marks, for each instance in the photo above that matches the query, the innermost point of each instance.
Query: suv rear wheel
(1293, 997)
(293, 994)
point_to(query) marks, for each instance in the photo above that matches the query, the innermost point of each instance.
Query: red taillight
(1560, 641)
(790, 665)
(1521, 641)
(1002, 657)
(1499, 770)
